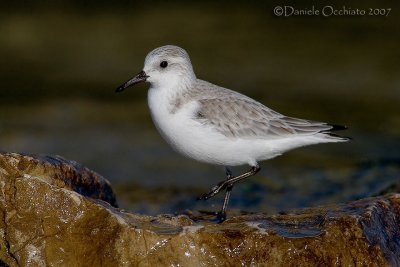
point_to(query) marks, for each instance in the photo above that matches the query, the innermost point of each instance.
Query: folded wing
(238, 116)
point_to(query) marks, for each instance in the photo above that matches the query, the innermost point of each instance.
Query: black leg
(230, 182)
(222, 214)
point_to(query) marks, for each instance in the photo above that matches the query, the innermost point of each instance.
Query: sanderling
(216, 125)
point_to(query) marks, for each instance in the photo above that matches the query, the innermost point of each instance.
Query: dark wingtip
(119, 89)
(337, 127)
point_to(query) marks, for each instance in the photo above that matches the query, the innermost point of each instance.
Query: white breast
(177, 128)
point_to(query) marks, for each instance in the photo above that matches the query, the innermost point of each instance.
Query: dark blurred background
(62, 60)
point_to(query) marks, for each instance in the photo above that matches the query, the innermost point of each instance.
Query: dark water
(60, 65)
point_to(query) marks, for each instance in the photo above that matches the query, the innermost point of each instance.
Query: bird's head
(167, 66)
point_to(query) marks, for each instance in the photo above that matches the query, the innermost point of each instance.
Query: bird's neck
(172, 95)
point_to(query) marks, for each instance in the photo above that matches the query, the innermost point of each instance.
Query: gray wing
(238, 116)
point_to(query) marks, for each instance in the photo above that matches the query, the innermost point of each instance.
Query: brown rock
(44, 221)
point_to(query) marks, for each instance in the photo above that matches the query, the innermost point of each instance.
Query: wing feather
(241, 117)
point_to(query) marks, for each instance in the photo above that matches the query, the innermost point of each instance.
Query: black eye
(163, 64)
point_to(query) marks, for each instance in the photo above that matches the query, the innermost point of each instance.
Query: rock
(55, 212)
(59, 172)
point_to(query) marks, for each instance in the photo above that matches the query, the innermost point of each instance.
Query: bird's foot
(221, 216)
(215, 190)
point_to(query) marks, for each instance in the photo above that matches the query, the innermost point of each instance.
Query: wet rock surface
(55, 212)
(59, 172)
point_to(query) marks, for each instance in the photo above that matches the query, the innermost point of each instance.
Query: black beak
(140, 77)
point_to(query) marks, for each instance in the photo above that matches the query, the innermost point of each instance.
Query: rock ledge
(55, 212)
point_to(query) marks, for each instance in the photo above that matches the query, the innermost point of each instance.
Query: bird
(216, 125)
